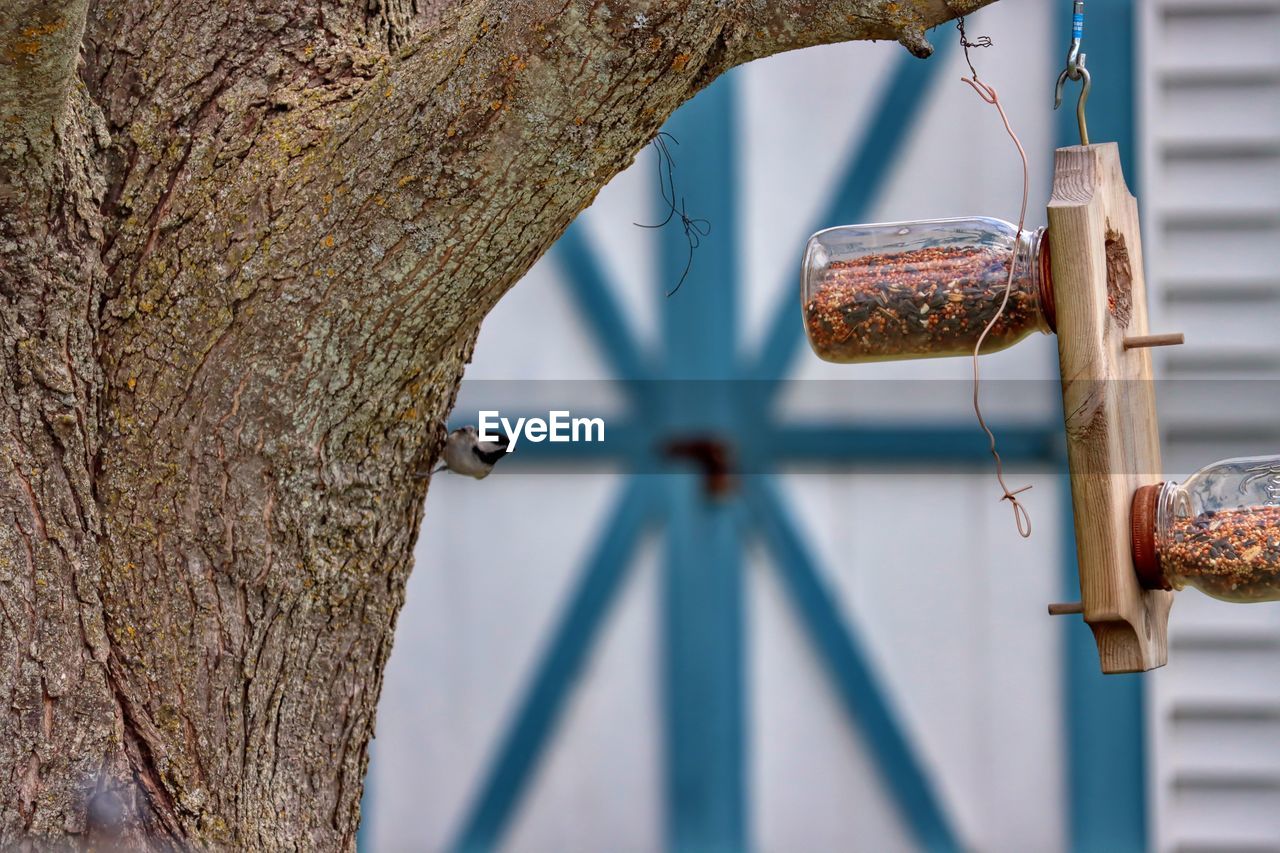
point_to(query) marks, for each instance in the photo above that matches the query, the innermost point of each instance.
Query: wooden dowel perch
(1141, 341)
(1066, 608)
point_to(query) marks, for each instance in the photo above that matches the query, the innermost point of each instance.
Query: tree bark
(244, 253)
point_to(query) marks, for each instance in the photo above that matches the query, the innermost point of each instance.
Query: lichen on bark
(244, 253)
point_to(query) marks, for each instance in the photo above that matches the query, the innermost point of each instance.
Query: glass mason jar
(899, 290)
(1218, 532)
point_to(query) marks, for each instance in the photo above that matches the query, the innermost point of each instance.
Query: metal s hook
(1075, 70)
(1062, 81)
(1080, 73)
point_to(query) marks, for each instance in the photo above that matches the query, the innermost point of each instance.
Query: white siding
(1211, 213)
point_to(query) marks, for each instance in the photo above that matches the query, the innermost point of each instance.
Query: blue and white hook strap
(1075, 70)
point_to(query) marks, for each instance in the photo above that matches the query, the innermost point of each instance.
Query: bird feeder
(926, 289)
(923, 289)
(1218, 532)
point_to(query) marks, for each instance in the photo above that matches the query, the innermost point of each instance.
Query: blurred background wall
(997, 732)
(1209, 78)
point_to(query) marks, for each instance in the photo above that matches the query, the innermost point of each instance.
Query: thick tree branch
(474, 147)
(759, 29)
(39, 49)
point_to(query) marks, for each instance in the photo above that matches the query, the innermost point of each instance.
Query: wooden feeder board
(1112, 435)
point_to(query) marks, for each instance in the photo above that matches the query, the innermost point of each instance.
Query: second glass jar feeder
(1219, 531)
(899, 290)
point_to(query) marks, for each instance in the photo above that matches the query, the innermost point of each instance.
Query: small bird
(465, 454)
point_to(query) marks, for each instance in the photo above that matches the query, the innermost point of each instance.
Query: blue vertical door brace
(1104, 715)
(703, 608)
(1104, 718)
(703, 673)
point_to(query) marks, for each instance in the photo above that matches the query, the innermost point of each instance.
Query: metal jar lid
(1048, 307)
(1142, 520)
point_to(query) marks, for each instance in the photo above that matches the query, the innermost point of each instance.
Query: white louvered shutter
(1210, 78)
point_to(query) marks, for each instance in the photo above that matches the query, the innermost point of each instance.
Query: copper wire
(980, 41)
(695, 229)
(1020, 515)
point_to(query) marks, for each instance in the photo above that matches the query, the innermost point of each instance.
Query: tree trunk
(244, 253)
